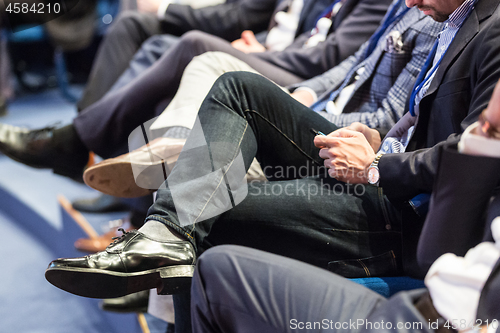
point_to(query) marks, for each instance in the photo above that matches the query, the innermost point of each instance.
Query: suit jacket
(356, 21)
(460, 90)
(353, 25)
(460, 214)
(225, 20)
(457, 218)
(228, 20)
(389, 73)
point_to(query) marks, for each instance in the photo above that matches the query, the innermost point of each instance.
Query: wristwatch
(373, 171)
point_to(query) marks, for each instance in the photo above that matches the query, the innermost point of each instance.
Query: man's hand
(371, 135)
(248, 43)
(347, 155)
(148, 6)
(304, 97)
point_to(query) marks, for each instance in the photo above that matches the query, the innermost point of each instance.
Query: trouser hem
(174, 226)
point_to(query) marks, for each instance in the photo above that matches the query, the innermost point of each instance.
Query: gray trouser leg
(237, 289)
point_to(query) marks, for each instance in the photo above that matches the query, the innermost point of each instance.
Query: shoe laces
(118, 239)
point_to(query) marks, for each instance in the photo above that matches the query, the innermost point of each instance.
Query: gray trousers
(237, 289)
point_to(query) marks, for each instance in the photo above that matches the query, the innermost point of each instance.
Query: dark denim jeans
(301, 213)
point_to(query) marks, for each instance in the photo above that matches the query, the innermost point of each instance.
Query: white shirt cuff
(312, 92)
(474, 144)
(455, 283)
(163, 8)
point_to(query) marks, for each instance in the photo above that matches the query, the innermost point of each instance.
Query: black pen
(317, 132)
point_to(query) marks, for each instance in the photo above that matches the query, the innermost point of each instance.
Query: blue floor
(35, 230)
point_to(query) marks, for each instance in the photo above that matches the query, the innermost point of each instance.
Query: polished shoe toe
(39, 149)
(133, 263)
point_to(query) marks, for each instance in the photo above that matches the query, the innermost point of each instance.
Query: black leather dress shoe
(134, 262)
(136, 302)
(38, 149)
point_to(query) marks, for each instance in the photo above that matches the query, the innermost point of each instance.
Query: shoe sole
(111, 308)
(120, 310)
(96, 283)
(115, 179)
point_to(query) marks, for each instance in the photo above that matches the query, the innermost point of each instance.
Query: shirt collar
(457, 18)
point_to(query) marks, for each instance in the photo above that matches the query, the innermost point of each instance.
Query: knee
(212, 259)
(218, 261)
(197, 42)
(193, 37)
(233, 80)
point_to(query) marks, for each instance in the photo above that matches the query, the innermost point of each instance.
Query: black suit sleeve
(226, 20)
(457, 220)
(405, 175)
(356, 26)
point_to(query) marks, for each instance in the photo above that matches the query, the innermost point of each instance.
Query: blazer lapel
(306, 8)
(402, 26)
(470, 28)
(346, 9)
(281, 5)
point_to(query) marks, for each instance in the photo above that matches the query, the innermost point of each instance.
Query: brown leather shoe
(137, 173)
(93, 245)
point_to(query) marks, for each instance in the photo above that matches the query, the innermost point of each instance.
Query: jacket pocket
(380, 265)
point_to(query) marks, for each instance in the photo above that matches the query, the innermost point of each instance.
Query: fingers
(325, 153)
(322, 141)
(357, 126)
(344, 133)
(334, 138)
(249, 37)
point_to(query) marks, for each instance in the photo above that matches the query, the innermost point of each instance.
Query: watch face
(373, 175)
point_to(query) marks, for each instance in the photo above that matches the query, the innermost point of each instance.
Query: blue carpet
(35, 230)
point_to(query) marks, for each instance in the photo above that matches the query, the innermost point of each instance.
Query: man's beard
(436, 16)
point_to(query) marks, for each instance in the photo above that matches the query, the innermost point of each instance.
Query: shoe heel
(175, 279)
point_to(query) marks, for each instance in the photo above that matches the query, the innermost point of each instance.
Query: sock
(177, 132)
(66, 139)
(160, 232)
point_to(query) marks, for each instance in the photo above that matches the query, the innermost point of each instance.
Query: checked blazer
(389, 74)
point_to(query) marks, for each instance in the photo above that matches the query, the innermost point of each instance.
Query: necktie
(421, 77)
